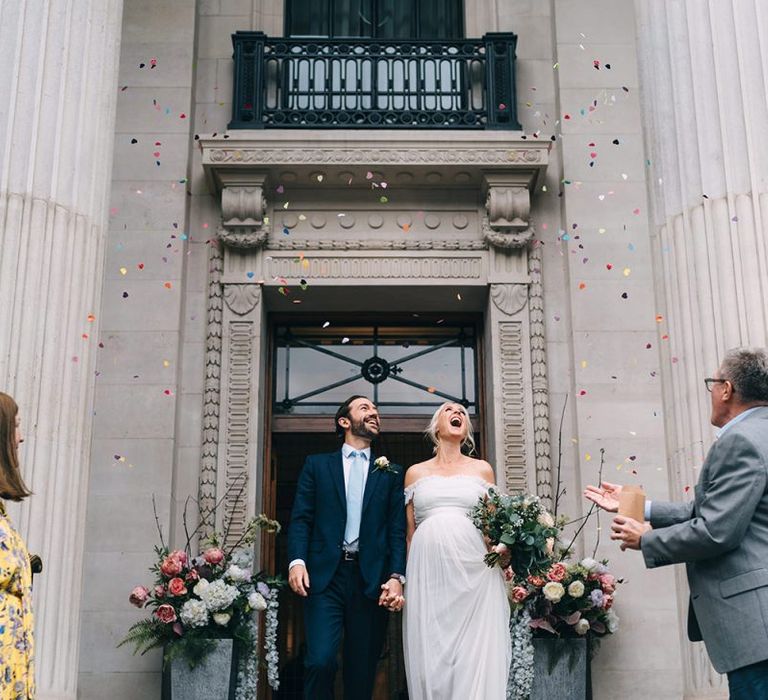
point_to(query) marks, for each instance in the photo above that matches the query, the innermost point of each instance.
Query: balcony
(285, 83)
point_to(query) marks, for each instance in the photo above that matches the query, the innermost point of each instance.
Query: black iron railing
(366, 83)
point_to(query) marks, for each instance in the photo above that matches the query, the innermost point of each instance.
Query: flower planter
(561, 669)
(214, 677)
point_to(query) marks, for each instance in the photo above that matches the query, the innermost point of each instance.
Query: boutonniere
(382, 464)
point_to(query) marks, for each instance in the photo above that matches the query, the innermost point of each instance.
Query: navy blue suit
(344, 595)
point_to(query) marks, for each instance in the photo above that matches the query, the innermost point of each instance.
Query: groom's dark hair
(343, 412)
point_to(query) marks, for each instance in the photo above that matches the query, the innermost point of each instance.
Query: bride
(456, 623)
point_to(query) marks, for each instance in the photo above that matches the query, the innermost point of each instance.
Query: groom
(346, 543)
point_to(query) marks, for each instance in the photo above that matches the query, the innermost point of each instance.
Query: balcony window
(375, 19)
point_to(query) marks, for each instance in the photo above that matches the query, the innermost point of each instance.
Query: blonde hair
(431, 431)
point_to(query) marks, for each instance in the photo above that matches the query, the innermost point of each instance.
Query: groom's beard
(361, 429)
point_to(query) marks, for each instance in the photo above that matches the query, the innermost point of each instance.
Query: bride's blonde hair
(431, 431)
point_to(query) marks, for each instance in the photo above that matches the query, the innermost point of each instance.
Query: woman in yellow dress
(17, 679)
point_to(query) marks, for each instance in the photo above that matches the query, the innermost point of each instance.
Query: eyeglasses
(709, 381)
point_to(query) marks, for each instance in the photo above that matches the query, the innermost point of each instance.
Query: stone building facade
(158, 268)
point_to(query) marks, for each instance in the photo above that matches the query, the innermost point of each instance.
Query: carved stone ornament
(242, 298)
(243, 211)
(508, 207)
(509, 298)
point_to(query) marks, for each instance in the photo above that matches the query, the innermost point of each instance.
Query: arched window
(377, 19)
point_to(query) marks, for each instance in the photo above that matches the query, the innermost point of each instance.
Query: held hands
(392, 595)
(298, 580)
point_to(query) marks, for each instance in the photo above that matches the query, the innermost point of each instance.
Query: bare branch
(560, 490)
(599, 481)
(157, 522)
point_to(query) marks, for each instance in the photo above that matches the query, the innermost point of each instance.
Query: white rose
(589, 564)
(546, 519)
(612, 621)
(553, 591)
(581, 627)
(576, 589)
(256, 601)
(200, 586)
(222, 618)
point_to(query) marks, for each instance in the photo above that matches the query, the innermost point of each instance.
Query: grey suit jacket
(722, 537)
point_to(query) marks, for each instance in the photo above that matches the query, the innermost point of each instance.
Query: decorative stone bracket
(508, 206)
(243, 210)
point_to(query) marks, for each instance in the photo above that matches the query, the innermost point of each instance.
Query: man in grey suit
(722, 535)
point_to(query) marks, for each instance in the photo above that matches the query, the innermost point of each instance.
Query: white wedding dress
(456, 617)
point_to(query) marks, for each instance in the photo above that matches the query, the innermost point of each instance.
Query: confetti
(344, 340)
(627, 272)
(249, 275)
(166, 363)
(91, 318)
(624, 295)
(326, 324)
(168, 392)
(168, 285)
(123, 271)
(125, 295)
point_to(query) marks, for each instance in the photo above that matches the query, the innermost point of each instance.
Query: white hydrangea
(256, 601)
(581, 627)
(219, 595)
(576, 589)
(194, 613)
(520, 678)
(237, 574)
(242, 558)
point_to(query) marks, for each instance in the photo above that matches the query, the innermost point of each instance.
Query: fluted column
(58, 86)
(704, 74)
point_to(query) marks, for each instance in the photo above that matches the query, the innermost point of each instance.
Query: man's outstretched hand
(298, 580)
(606, 496)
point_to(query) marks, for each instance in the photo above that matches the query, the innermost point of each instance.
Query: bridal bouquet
(520, 532)
(214, 594)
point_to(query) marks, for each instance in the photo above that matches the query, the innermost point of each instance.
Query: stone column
(703, 68)
(58, 67)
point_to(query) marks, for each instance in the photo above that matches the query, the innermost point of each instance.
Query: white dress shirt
(347, 464)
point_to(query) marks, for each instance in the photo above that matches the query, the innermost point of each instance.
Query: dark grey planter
(214, 678)
(561, 669)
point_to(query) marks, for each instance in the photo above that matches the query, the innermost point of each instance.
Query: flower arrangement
(214, 595)
(520, 532)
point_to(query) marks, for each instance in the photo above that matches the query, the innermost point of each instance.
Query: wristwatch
(398, 577)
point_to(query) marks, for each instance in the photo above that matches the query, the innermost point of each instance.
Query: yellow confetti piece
(587, 457)
(627, 272)
(123, 271)
(583, 364)
(601, 230)
(166, 363)
(305, 264)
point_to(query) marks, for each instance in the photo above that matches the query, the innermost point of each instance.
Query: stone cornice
(506, 170)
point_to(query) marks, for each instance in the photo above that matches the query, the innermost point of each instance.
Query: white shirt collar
(734, 420)
(346, 449)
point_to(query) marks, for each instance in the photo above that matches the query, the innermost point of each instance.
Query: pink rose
(608, 583)
(557, 572)
(509, 575)
(519, 594)
(159, 591)
(192, 575)
(500, 548)
(608, 602)
(179, 554)
(536, 581)
(176, 587)
(171, 567)
(139, 596)
(165, 613)
(213, 556)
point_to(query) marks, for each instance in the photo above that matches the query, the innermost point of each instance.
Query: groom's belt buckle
(349, 556)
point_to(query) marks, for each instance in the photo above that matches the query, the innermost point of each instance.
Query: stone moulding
(319, 244)
(510, 334)
(540, 383)
(212, 395)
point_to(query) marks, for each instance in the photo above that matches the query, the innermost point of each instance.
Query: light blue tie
(355, 496)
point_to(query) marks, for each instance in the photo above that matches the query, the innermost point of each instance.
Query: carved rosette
(540, 384)
(211, 396)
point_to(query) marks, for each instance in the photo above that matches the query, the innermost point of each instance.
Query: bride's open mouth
(456, 421)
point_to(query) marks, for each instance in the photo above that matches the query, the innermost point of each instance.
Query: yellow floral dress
(17, 678)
